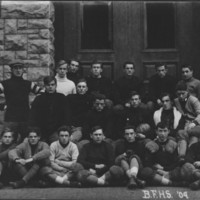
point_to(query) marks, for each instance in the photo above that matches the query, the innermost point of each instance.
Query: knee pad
(45, 170)
(147, 173)
(82, 176)
(116, 172)
(182, 135)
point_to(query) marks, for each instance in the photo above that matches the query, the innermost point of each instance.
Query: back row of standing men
(98, 102)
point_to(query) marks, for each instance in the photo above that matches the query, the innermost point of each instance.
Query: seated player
(64, 154)
(8, 142)
(29, 157)
(162, 159)
(97, 159)
(129, 151)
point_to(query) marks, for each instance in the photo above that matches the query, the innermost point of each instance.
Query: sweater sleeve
(82, 158)
(190, 156)
(17, 152)
(197, 110)
(43, 153)
(4, 154)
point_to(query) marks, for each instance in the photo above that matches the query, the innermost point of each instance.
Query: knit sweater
(93, 153)
(64, 155)
(16, 91)
(191, 111)
(24, 151)
(65, 86)
(193, 86)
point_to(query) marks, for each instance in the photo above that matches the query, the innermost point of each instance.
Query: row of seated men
(134, 161)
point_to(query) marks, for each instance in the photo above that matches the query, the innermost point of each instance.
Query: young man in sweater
(189, 106)
(48, 111)
(78, 107)
(16, 91)
(8, 142)
(97, 159)
(193, 84)
(29, 157)
(64, 154)
(129, 152)
(64, 85)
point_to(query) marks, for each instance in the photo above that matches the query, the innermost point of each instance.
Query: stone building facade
(27, 33)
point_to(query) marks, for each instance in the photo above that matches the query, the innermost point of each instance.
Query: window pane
(160, 25)
(96, 26)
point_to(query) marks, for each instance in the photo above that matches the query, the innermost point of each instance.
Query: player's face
(129, 69)
(64, 137)
(7, 138)
(33, 138)
(129, 135)
(96, 70)
(187, 73)
(97, 136)
(162, 134)
(135, 101)
(74, 66)
(99, 104)
(161, 71)
(62, 70)
(167, 104)
(51, 87)
(82, 88)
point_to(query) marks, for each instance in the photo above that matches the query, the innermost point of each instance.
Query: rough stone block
(34, 36)
(22, 24)
(1, 72)
(27, 9)
(15, 42)
(1, 23)
(37, 74)
(1, 37)
(1, 47)
(6, 56)
(10, 26)
(47, 60)
(6, 72)
(39, 23)
(28, 31)
(32, 63)
(34, 56)
(39, 46)
(21, 55)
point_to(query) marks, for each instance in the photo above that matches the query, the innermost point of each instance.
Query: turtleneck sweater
(65, 86)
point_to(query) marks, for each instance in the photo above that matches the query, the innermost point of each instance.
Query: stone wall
(27, 33)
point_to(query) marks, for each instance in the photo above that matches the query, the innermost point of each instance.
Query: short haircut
(81, 80)
(72, 59)
(49, 79)
(162, 125)
(61, 62)
(98, 96)
(11, 130)
(94, 128)
(159, 64)
(34, 129)
(133, 93)
(181, 86)
(128, 126)
(187, 66)
(129, 62)
(97, 62)
(164, 94)
(64, 128)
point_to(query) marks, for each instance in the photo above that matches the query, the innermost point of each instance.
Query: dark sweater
(123, 86)
(158, 85)
(48, 112)
(4, 149)
(16, 91)
(79, 106)
(94, 118)
(93, 153)
(101, 85)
